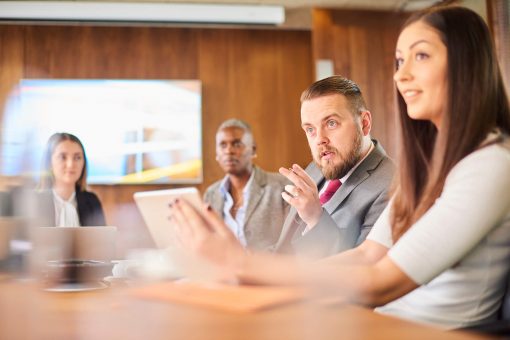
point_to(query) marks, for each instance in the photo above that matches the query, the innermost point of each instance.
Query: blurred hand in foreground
(205, 234)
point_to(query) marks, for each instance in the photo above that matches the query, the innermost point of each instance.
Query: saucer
(77, 287)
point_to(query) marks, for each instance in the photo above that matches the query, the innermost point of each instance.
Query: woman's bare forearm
(369, 284)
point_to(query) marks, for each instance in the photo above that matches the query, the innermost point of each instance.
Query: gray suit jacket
(266, 209)
(348, 216)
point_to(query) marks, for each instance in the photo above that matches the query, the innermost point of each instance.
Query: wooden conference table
(28, 312)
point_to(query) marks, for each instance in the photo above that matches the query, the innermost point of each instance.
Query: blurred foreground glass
(14, 226)
(170, 263)
(73, 258)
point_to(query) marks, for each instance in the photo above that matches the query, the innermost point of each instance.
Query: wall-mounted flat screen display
(134, 131)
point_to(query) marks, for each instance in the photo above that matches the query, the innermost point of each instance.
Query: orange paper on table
(218, 296)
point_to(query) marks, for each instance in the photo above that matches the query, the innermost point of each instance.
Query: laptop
(77, 243)
(154, 207)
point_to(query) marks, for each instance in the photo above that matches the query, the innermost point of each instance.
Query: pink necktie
(332, 187)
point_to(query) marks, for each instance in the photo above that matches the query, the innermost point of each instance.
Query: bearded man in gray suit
(248, 198)
(337, 199)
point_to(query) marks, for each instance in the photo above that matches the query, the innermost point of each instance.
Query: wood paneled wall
(361, 45)
(256, 75)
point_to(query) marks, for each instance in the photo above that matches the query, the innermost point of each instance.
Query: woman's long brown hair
(476, 104)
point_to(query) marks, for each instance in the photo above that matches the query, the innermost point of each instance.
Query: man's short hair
(237, 123)
(337, 85)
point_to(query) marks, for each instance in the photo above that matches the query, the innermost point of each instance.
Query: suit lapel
(217, 201)
(256, 192)
(352, 182)
(361, 173)
(291, 224)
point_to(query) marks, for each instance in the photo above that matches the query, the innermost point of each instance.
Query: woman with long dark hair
(63, 185)
(440, 252)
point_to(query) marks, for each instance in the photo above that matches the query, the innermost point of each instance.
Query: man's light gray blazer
(266, 209)
(348, 216)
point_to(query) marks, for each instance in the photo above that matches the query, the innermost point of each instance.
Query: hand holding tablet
(154, 207)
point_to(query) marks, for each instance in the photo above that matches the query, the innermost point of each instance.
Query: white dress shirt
(235, 224)
(66, 213)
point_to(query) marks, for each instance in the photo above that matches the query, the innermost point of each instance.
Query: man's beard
(347, 162)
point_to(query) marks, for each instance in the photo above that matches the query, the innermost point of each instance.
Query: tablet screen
(154, 207)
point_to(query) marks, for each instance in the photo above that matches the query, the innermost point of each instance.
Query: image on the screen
(133, 131)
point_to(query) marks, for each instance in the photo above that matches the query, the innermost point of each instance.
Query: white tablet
(154, 207)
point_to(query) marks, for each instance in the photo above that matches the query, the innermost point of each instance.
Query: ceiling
(358, 4)
(391, 5)
(298, 12)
